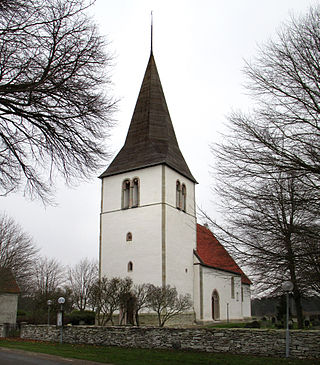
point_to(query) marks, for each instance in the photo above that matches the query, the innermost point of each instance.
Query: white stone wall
(147, 223)
(221, 281)
(144, 222)
(150, 252)
(196, 288)
(246, 304)
(8, 308)
(171, 178)
(180, 234)
(112, 187)
(144, 251)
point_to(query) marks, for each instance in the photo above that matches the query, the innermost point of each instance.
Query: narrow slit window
(129, 236)
(232, 287)
(178, 195)
(125, 194)
(135, 192)
(183, 197)
(130, 266)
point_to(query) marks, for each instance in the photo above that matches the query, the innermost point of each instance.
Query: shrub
(253, 324)
(81, 317)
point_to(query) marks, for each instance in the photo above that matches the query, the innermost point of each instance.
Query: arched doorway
(215, 305)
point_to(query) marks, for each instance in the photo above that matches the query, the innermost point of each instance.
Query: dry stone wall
(303, 344)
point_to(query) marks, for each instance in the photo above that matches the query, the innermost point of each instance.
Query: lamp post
(49, 302)
(61, 301)
(287, 286)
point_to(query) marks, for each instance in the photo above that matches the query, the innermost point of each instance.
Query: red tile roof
(211, 253)
(8, 283)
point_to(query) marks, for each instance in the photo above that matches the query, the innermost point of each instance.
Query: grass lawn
(124, 356)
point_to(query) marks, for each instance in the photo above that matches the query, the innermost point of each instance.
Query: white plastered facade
(163, 237)
(215, 285)
(163, 240)
(8, 307)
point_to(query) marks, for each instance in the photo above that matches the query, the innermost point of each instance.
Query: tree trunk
(122, 314)
(130, 311)
(297, 302)
(137, 318)
(293, 276)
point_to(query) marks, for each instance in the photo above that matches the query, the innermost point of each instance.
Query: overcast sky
(199, 47)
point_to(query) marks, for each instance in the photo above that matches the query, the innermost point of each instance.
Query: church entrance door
(215, 305)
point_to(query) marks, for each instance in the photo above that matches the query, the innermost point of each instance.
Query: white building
(148, 221)
(9, 293)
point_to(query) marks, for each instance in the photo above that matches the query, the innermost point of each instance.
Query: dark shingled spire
(151, 139)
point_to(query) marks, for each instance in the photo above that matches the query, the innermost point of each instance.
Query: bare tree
(268, 164)
(166, 302)
(48, 282)
(80, 281)
(54, 110)
(269, 229)
(141, 294)
(311, 264)
(284, 83)
(17, 252)
(107, 296)
(48, 276)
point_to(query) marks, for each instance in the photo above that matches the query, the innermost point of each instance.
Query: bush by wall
(81, 317)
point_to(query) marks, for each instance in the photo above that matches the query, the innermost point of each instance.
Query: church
(148, 223)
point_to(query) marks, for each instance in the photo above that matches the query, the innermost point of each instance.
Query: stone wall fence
(303, 344)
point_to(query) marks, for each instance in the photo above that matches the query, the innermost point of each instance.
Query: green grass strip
(125, 356)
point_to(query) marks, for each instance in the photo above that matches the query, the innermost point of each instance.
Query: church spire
(151, 139)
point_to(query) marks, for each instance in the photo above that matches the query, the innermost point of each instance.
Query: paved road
(19, 357)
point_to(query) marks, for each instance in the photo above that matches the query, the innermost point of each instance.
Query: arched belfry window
(129, 236)
(126, 194)
(130, 193)
(183, 197)
(130, 266)
(178, 194)
(135, 192)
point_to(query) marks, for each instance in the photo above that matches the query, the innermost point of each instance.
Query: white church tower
(148, 219)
